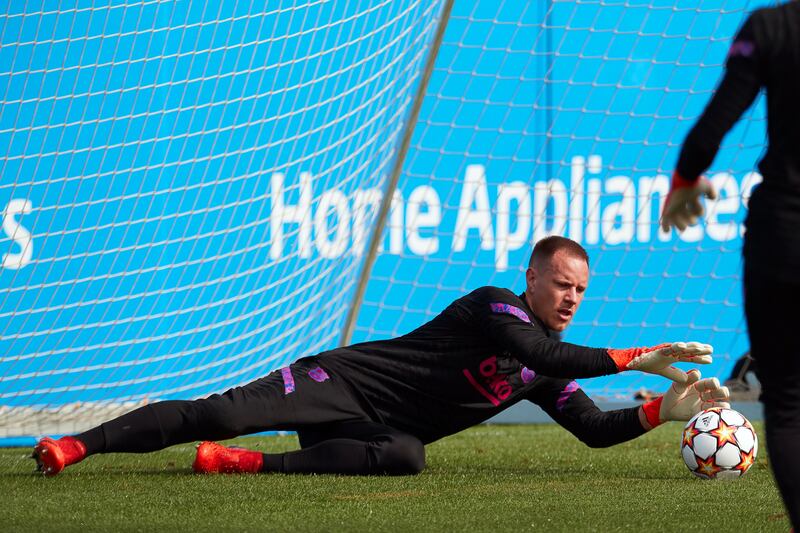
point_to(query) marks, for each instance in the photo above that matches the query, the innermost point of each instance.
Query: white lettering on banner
(593, 211)
(395, 224)
(299, 213)
(617, 220)
(17, 233)
(576, 174)
(365, 207)
(592, 198)
(616, 210)
(417, 218)
(333, 198)
(645, 216)
(726, 204)
(543, 193)
(507, 240)
(474, 192)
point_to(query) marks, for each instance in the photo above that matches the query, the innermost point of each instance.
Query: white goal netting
(189, 189)
(179, 182)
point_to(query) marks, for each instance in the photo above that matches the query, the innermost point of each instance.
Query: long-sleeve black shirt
(485, 352)
(765, 53)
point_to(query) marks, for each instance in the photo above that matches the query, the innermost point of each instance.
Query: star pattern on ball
(725, 433)
(748, 458)
(689, 434)
(707, 467)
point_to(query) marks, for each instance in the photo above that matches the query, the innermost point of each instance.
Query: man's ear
(530, 276)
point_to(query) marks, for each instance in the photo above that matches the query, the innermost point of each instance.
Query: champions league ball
(719, 443)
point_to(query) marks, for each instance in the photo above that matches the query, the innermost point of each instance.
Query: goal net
(190, 190)
(187, 188)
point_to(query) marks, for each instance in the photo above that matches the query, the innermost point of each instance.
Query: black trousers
(336, 434)
(772, 308)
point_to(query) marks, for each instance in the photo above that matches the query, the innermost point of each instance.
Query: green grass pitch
(489, 478)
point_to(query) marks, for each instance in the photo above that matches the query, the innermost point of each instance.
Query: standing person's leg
(773, 313)
(350, 448)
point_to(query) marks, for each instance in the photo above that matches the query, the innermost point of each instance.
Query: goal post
(190, 191)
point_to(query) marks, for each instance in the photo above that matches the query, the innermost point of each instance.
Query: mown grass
(490, 478)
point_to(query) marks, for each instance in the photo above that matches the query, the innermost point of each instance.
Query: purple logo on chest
(527, 375)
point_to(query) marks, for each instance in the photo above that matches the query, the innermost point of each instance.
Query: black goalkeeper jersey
(485, 352)
(765, 53)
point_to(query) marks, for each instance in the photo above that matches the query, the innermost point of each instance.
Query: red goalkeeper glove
(684, 400)
(682, 207)
(659, 359)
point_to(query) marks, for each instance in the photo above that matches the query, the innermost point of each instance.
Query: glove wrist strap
(679, 182)
(623, 357)
(652, 410)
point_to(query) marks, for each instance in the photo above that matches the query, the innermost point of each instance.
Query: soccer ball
(719, 443)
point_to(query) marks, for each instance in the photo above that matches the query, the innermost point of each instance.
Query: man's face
(555, 289)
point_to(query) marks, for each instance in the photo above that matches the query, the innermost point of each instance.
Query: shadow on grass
(554, 472)
(116, 472)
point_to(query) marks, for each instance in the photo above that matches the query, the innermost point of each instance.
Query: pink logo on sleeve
(508, 309)
(742, 48)
(564, 395)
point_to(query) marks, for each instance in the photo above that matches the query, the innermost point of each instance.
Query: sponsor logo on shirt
(492, 385)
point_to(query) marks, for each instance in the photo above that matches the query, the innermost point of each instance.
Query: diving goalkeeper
(370, 408)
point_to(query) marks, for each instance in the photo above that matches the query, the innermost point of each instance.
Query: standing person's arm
(738, 89)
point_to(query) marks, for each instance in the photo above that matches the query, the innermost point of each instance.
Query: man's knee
(401, 455)
(221, 415)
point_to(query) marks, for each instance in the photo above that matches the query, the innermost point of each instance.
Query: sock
(271, 462)
(94, 440)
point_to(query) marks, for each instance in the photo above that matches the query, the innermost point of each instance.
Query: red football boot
(52, 456)
(214, 458)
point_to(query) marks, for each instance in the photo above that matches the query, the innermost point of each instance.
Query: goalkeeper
(765, 53)
(370, 408)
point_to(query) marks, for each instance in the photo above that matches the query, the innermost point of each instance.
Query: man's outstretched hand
(684, 400)
(682, 207)
(659, 359)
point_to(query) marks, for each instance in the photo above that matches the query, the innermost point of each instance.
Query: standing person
(765, 53)
(370, 408)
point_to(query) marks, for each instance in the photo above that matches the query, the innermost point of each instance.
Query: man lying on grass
(370, 408)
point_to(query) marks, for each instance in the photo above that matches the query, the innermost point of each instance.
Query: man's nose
(572, 295)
